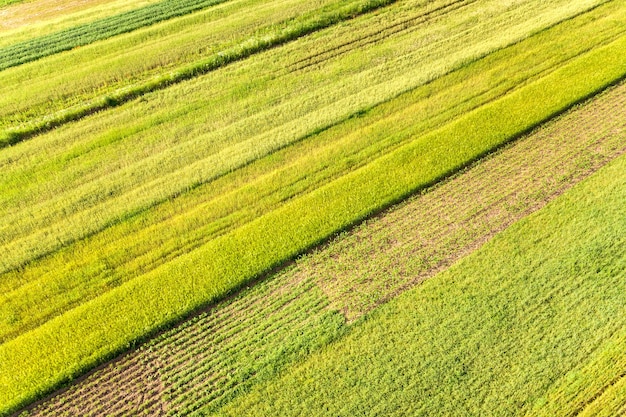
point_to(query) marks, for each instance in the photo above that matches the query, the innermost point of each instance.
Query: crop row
(68, 344)
(530, 324)
(37, 18)
(128, 172)
(4, 3)
(91, 267)
(431, 231)
(107, 27)
(124, 68)
(214, 356)
(206, 362)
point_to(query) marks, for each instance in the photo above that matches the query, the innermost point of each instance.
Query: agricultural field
(331, 207)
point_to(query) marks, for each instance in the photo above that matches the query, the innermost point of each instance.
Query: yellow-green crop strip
(115, 72)
(35, 18)
(247, 340)
(90, 267)
(80, 35)
(39, 360)
(533, 323)
(86, 176)
(4, 3)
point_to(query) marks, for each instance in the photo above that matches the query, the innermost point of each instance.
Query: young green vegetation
(55, 351)
(91, 267)
(80, 179)
(533, 323)
(37, 18)
(114, 72)
(85, 34)
(4, 3)
(216, 357)
(115, 226)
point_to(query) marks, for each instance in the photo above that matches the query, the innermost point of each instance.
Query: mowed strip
(78, 339)
(405, 246)
(108, 74)
(211, 359)
(75, 341)
(93, 266)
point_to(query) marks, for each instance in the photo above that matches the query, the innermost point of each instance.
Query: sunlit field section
(90, 267)
(84, 177)
(112, 72)
(77, 339)
(22, 20)
(80, 35)
(206, 362)
(533, 323)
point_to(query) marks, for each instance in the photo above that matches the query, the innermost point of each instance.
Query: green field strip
(36, 18)
(612, 402)
(555, 156)
(72, 342)
(4, 3)
(489, 335)
(593, 387)
(89, 268)
(140, 69)
(136, 173)
(107, 75)
(566, 150)
(252, 330)
(85, 34)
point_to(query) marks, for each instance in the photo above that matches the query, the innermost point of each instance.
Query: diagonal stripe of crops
(162, 205)
(244, 341)
(85, 34)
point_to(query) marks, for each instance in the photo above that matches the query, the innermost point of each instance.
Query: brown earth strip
(212, 358)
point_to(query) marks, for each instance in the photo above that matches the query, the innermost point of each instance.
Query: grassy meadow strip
(609, 402)
(4, 3)
(256, 27)
(35, 18)
(109, 73)
(492, 334)
(85, 177)
(91, 267)
(211, 359)
(41, 359)
(80, 35)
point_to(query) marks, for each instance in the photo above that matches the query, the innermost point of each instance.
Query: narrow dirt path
(212, 358)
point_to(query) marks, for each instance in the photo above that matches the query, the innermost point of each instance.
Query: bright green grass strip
(84, 34)
(490, 335)
(264, 38)
(62, 348)
(4, 3)
(90, 267)
(88, 176)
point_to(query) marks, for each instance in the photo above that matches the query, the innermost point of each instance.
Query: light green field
(531, 324)
(246, 341)
(29, 19)
(164, 169)
(91, 267)
(125, 67)
(77, 339)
